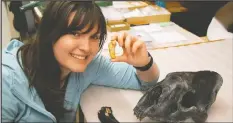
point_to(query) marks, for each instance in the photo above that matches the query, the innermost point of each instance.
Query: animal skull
(179, 96)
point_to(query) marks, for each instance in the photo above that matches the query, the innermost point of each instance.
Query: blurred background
(215, 18)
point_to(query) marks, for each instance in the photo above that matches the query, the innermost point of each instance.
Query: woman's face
(75, 51)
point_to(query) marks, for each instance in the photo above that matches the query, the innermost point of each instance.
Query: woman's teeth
(78, 57)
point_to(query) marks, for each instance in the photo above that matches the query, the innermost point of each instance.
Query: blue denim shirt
(22, 104)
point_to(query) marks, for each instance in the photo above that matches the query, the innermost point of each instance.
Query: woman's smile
(79, 57)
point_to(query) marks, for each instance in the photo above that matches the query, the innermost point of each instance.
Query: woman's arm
(120, 74)
(9, 102)
(149, 75)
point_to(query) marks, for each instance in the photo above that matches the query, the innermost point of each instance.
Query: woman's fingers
(121, 38)
(128, 44)
(137, 45)
(114, 36)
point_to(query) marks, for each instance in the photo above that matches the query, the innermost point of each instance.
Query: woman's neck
(64, 74)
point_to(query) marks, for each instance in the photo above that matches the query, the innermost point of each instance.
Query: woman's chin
(78, 69)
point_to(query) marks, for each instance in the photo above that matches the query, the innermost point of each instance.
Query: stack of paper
(167, 37)
(121, 4)
(153, 10)
(128, 4)
(143, 36)
(153, 28)
(149, 10)
(148, 28)
(111, 13)
(133, 13)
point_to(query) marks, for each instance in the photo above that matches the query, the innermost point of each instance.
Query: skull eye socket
(203, 84)
(189, 100)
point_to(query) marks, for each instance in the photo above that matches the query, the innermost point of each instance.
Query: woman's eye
(96, 37)
(77, 34)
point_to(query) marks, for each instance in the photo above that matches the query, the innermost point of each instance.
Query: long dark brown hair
(38, 61)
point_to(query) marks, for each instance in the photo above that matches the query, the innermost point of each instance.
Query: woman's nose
(85, 45)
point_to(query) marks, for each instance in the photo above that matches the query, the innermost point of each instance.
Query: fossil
(180, 96)
(111, 47)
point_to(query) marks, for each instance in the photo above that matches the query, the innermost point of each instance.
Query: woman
(43, 79)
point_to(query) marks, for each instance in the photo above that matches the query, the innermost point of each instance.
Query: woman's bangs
(83, 19)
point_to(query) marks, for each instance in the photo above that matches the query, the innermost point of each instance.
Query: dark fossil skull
(180, 96)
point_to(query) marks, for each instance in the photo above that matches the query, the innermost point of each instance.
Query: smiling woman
(44, 78)
(53, 47)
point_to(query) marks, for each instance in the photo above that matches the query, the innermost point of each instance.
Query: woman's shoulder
(14, 80)
(14, 43)
(10, 66)
(9, 54)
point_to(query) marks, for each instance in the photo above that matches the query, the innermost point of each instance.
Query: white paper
(168, 37)
(142, 35)
(148, 10)
(148, 28)
(138, 28)
(138, 3)
(121, 4)
(127, 4)
(111, 13)
(153, 28)
(134, 13)
(151, 10)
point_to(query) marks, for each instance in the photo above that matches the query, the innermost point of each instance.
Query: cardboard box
(115, 21)
(118, 26)
(150, 19)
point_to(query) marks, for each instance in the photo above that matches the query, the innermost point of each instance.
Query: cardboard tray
(118, 26)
